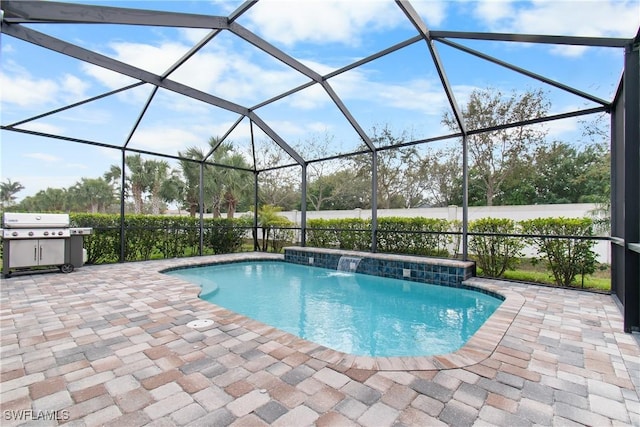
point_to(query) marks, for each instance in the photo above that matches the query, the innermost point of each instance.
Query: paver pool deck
(110, 345)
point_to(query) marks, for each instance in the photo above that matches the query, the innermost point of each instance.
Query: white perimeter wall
(516, 213)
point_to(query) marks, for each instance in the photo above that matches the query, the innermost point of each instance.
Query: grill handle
(35, 253)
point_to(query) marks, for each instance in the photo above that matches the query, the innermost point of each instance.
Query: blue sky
(401, 90)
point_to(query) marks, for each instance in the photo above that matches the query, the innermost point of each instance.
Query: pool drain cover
(200, 323)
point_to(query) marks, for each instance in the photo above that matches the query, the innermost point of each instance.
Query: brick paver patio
(110, 345)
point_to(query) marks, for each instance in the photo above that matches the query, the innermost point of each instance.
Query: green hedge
(415, 236)
(345, 233)
(168, 237)
(566, 258)
(495, 254)
(157, 236)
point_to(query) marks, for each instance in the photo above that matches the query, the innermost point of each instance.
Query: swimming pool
(349, 312)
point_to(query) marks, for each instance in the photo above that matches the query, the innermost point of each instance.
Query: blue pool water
(354, 313)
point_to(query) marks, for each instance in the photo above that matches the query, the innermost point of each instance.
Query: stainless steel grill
(35, 240)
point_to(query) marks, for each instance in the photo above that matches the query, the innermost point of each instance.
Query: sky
(401, 91)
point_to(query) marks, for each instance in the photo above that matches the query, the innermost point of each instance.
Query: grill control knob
(31, 233)
(60, 233)
(15, 233)
(46, 233)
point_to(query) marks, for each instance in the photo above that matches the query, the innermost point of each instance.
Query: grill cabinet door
(51, 252)
(34, 252)
(23, 253)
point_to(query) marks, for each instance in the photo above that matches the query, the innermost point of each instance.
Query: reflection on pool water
(354, 313)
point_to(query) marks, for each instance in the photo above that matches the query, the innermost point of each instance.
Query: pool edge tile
(478, 348)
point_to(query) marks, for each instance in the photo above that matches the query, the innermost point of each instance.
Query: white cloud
(493, 12)
(42, 127)
(74, 89)
(108, 78)
(433, 12)
(164, 140)
(7, 48)
(21, 88)
(322, 21)
(44, 157)
(192, 35)
(309, 99)
(605, 18)
(27, 91)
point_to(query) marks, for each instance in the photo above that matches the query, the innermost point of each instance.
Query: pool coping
(478, 348)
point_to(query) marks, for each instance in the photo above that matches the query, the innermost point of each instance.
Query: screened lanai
(158, 78)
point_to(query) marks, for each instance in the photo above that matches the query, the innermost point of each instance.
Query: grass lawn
(537, 273)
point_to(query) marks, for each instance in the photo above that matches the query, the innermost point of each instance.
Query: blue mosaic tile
(424, 270)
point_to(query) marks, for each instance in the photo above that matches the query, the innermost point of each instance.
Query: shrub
(272, 224)
(103, 244)
(415, 236)
(321, 233)
(281, 235)
(148, 235)
(225, 235)
(177, 236)
(354, 234)
(565, 257)
(495, 254)
(140, 236)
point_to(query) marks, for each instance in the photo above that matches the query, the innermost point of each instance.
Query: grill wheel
(66, 268)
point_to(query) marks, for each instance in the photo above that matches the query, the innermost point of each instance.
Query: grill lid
(35, 220)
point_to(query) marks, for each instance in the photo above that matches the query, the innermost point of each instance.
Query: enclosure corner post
(201, 203)
(374, 201)
(632, 185)
(123, 181)
(255, 212)
(465, 198)
(303, 207)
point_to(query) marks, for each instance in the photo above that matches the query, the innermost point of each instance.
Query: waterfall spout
(348, 263)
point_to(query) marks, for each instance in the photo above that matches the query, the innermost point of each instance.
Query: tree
(191, 173)
(8, 191)
(156, 172)
(91, 195)
(236, 183)
(494, 154)
(396, 182)
(269, 219)
(138, 181)
(173, 189)
(340, 190)
(49, 200)
(224, 187)
(278, 186)
(441, 172)
(112, 176)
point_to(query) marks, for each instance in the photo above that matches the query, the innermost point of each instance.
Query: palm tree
(173, 189)
(236, 183)
(223, 187)
(138, 180)
(191, 173)
(229, 184)
(92, 194)
(268, 217)
(8, 191)
(157, 172)
(52, 199)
